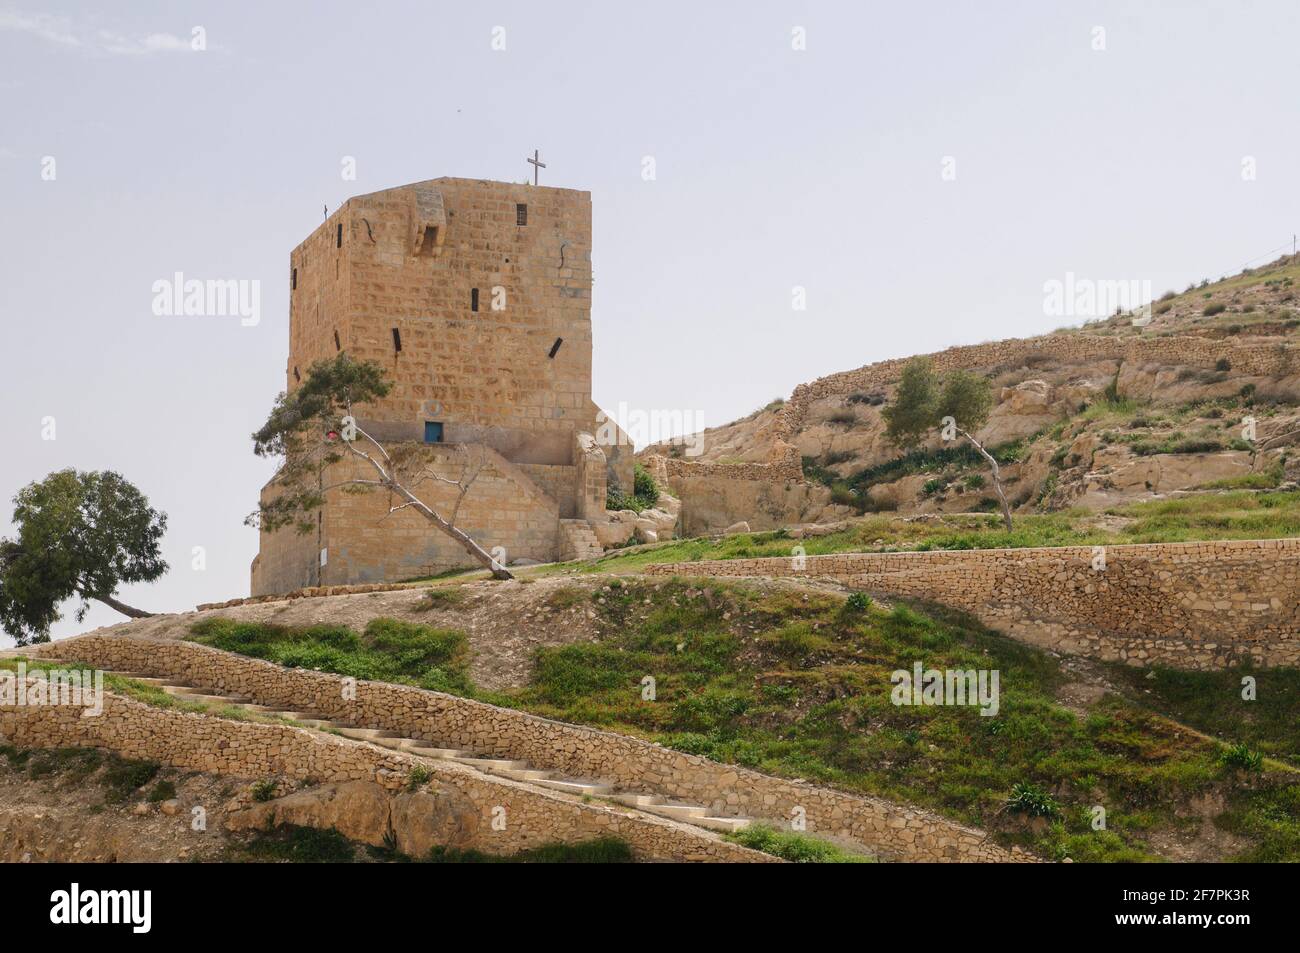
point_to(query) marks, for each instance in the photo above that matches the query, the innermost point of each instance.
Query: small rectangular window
(397, 340)
(338, 242)
(473, 299)
(432, 431)
(521, 214)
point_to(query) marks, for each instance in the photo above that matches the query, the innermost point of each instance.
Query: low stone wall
(252, 750)
(1190, 605)
(310, 592)
(889, 829)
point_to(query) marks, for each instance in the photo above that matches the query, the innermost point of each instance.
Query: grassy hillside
(1240, 514)
(798, 684)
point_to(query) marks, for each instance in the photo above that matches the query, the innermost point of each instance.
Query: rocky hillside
(1137, 406)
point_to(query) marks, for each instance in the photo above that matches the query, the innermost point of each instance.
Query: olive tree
(80, 535)
(314, 428)
(956, 404)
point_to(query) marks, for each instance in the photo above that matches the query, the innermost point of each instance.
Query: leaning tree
(315, 434)
(80, 535)
(956, 404)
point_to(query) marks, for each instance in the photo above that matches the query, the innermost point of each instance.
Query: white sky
(775, 168)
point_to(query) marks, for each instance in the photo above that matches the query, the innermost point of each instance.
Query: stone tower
(475, 297)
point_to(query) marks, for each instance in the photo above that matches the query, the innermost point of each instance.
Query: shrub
(933, 486)
(440, 598)
(871, 400)
(123, 777)
(797, 848)
(1240, 757)
(857, 603)
(643, 484)
(645, 493)
(1027, 798)
(844, 495)
(263, 790)
(303, 845)
(843, 418)
(603, 850)
(974, 482)
(1223, 364)
(1218, 307)
(419, 776)
(162, 791)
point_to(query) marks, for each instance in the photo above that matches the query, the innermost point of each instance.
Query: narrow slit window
(521, 214)
(293, 280)
(338, 346)
(338, 242)
(397, 340)
(555, 348)
(473, 299)
(296, 375)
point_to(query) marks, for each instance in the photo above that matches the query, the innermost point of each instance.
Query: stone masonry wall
(889, 829)
(1191, 605)
(365, 542)
(251, 750)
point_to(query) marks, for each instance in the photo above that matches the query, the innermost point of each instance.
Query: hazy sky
(1111, 140)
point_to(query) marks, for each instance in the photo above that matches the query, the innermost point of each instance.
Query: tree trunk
(997, 478)
(460, 536)
(121, 607)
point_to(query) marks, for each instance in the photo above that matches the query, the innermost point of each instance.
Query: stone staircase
(578, 541)
(694, 814)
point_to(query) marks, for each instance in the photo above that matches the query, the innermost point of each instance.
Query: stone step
(638, 800)
(361, 734)
(516, 770)
(576, 786)
(725, 824)
(492, 764)
(205, 698)
(138, 677)
(525, 774)
(427, 750)
(678, 811)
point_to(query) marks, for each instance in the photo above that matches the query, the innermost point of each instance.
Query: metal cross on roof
(537, 164)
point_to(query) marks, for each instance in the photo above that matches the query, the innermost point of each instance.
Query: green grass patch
(290, 843)
(1213, 702)
(120, 778)
(389, 650)
(795, 847)
(801, 687)
(604, 850)
(1233, 515)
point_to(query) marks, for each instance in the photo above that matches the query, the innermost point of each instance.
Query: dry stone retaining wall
(1198, 605)
(889, 829)
(253, 750)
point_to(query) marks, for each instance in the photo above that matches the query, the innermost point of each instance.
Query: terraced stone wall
(262, 751)
(1203, 605)
(889, 829)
